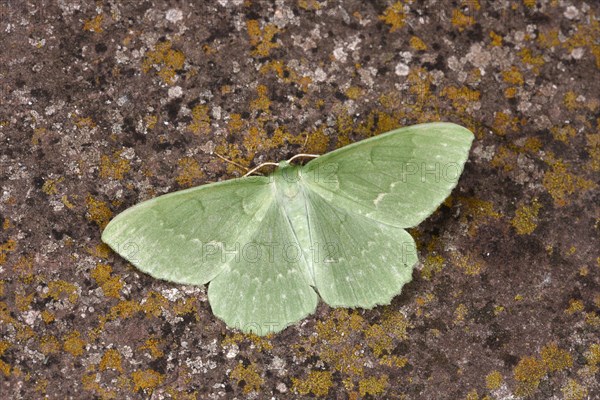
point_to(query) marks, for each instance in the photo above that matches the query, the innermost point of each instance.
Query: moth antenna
(231, 162)
(260, 166)
(303, 155)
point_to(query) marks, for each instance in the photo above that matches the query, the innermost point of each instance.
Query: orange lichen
(111, 359)
(462, 21)
(200, 124)
(114, 166)
(94, 24)
(287, 74)
(536, 62)
(496, 39)
(190, 172)
(417, 44)
(493, 380)
(262, 102)
(7, 247)
(263, 40)
(317, 142)
(146, 379)
(124, 309)
(260, 343)
(526, 218)
(47, 316)
(72, 343)
(461, 96)
(166, 60)
(503, 123)
(154, 303)
(394, 16)
(373, 386)
(111, 285)
(58, 288)
(317, 382)
(4, 367)
(249, 375)
(513, 76)
(152, 345)
(98, 211)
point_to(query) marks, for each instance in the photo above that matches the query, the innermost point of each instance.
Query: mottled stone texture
(107, 103)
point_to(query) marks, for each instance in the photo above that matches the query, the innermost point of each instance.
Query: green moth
(266, 245)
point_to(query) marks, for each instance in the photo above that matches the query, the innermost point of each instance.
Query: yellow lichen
(85, 122)
(260, 343)
(166, 60)
(555, 358)
(114, 166)
(94, 24)
(317, 382)
(574, 391)
(563, 133)
(249, 375)
(561, 184)
(354, 92)
(526, 218)
(394, 16)
(373, 386)
(468, 264)
(262, 39)
(49, 345)
(49, 186)
(72, 343)
(593, 148)
(575, 306)
(98, 211)
(151, 121)
(23, 302)
(111, 285)
(493, 380)
(200, 124)
(460, 313)
(146, 379)
(431, 266)
(528, 373)
(190, 172)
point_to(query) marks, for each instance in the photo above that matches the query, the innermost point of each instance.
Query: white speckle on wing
(380, 197)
